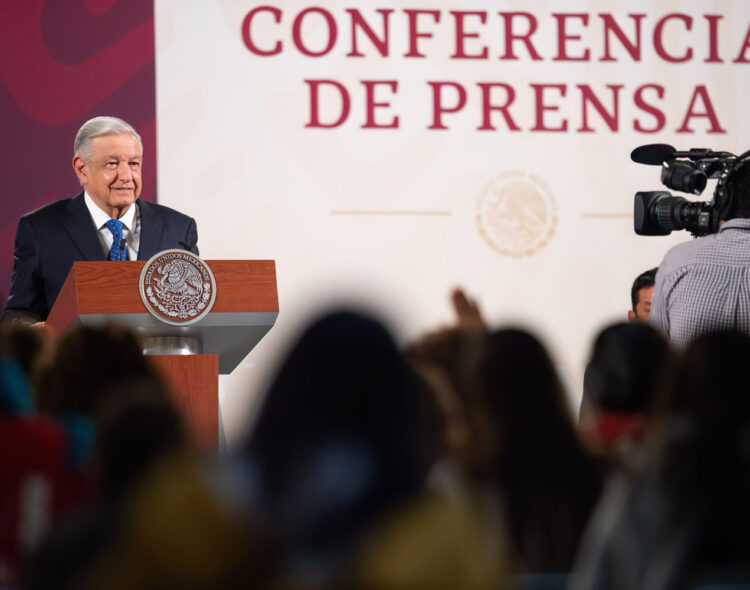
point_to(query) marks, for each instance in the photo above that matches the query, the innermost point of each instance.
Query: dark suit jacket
(51, 238)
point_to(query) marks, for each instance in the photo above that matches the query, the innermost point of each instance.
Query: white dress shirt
(131, 227)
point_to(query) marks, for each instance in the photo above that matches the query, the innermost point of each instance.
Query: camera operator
(704, 285)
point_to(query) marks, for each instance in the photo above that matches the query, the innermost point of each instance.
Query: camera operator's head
(739, 184)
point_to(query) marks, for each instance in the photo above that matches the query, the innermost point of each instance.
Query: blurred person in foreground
(627, 363)
(132, 426)
(514, 446)
(338, 465)
(23, 345)
(84, 371)
(684, 521)
(40, 482)
(88, 372)
(641, 294)
(160, 521)
(86, 368)
(156, 522)
(437, 358)
(32, 472)
(538, 480)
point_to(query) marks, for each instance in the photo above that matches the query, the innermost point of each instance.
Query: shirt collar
(101, 218)
(736, 223)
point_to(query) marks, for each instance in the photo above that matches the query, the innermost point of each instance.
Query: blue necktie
(115, 252)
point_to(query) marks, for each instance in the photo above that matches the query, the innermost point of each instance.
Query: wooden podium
(190, 357)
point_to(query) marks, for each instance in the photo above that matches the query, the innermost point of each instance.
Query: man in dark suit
(104, 222)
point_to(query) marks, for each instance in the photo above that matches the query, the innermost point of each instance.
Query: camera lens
(658, 213)
(684, 177)
(668, 212)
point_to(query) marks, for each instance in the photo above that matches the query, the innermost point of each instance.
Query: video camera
(658, 213)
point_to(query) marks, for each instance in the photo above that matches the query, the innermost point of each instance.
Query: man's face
(643, 307)
(112, 177)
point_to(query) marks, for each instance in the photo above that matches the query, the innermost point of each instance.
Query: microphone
(122, 247)
(652, 154)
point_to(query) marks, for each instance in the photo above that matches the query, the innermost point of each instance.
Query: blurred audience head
(519, 403)
(23, 344)
(641, 294)
(625, 362)
(702, 459)
(87, 364)
(704, 420)
(137, 426)
(337, 438)
(709, 400)
(628, 363)
(531, 453)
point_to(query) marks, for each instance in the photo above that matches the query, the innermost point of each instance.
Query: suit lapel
(151, 229)
(81, 229)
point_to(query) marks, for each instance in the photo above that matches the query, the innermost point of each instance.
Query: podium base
(194, 383)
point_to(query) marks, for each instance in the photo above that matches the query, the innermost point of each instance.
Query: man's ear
(631, 316)
(81, 170)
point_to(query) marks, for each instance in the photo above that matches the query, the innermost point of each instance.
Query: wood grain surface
(194, 384)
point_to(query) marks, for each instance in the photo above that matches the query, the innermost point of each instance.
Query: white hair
(97, 127)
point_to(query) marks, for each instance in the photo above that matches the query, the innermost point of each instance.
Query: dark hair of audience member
(626, 364)
(137, 425)
(642, 281)
(336, 440)
(23, 344)
(86, 364)
(706, 455)
(547, 482)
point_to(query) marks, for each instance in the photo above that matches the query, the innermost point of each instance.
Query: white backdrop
(536, 224)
